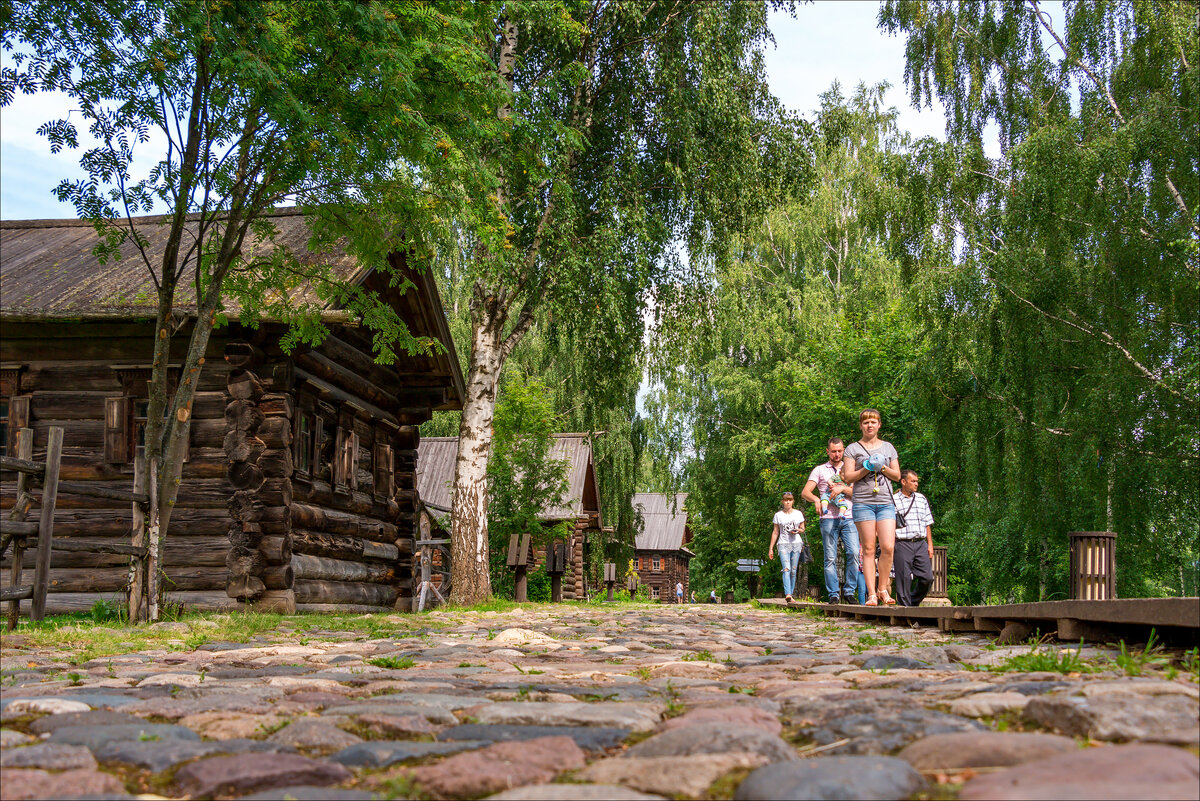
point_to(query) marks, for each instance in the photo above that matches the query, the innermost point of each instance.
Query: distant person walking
(870, 465)
(787, 530)
(679, 592)
(828, 494)
(914, 542)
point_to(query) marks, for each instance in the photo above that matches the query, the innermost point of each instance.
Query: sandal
(871, 601)
(889, 600)
(789, 599)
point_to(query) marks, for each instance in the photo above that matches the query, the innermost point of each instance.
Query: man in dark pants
(914, 542)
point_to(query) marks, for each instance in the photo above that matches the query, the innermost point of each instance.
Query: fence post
(41, 570)
(1093, 565)
(24, 451)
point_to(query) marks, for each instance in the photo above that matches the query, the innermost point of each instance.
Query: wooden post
(610, 578)
(152, 555)
(41, 570)
(24, 451)
(137, 564)
(518, 559)
(556, 564)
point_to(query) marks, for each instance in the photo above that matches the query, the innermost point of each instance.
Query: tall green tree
(367, 115)
(805, 326)
(1059, 279)
(629, 126)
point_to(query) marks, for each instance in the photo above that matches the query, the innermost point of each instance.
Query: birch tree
(629, 126)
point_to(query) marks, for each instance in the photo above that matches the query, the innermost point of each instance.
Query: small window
(656, 563)
(654, 593)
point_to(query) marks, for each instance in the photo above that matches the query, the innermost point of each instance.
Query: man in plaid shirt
(914, 542)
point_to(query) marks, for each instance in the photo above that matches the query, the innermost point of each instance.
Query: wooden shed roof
(665, 522)
(48, 271)
(435, 475)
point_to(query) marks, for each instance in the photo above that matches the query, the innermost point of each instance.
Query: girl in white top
(868, 464)
(787, 530)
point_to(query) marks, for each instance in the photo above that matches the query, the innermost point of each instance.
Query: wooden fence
(15, 529)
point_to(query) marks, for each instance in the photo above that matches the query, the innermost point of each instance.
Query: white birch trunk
(470, 581)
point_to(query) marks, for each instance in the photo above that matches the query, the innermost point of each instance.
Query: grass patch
(1134, 662)
(868, 641)
(1041, 660)
(393, 662)
(698, 656)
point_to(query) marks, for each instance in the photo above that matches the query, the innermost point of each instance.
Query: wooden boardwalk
(1173, 619)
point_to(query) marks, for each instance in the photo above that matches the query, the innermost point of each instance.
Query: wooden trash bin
(610, 578)
(1093, 565)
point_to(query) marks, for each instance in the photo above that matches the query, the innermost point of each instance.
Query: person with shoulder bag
(787, 530)
(869, 466)
(914, 541)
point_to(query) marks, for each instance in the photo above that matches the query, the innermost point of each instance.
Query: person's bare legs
(886, 531)
(866, 538)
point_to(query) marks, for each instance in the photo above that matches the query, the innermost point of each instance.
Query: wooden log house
(579, 507)
(299, 487)
(661, 556)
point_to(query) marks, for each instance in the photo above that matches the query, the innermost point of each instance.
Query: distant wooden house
(299, 489)
(579, 508)
(661, 556)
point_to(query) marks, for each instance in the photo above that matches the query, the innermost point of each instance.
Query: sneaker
(833, 599)
(850, 599)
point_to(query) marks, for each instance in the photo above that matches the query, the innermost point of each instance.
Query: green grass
(1134, 662)
(393, 662)
(698, 656)
(1042, 660)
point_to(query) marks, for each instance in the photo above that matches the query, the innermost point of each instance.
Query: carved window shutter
(117, 435)
(352, 459)
(339, 459)
(18, 418)
(384, 471)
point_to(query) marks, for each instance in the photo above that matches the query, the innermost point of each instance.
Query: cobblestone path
(586, 702)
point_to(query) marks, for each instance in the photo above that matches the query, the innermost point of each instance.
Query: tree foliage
(369, 116)
(1058, 280)
(631, 127)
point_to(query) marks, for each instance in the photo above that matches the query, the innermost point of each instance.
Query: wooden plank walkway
(1176, 619)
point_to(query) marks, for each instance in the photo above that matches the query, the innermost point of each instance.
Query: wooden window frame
(383, 464)
(122, 423)
(656, 564)
(345, 452)
(16, 412)
(306, 443)
(654, 593)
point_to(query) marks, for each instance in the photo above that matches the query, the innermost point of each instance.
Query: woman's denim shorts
(871, 513)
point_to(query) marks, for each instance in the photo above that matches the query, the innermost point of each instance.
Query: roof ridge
(69, 222)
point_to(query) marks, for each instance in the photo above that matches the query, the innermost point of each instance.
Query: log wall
(70, 369)
(247, 528)
(335, 533)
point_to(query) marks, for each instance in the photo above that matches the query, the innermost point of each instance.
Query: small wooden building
(662, 558)
(299, 488)
(579, 508)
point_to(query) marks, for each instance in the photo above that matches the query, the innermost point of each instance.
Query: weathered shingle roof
(48, 271)
(665, 521)
(435, 474)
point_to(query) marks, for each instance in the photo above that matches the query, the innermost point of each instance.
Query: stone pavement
(587, 702)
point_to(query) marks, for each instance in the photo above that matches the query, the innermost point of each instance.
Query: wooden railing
(15, 529)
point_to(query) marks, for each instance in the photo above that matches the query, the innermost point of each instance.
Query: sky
(824, 41)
